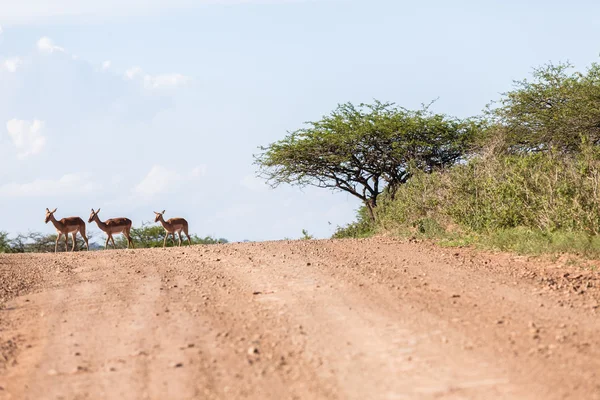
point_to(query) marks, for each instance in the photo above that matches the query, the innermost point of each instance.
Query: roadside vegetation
(524, 176)
(145, 236)
(151, 235)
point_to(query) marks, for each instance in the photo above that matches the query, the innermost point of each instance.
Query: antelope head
(93, 215)
(49, 215)
(158, 215)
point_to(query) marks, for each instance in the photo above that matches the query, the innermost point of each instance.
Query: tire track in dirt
(534, 334)
(254, 353)
(374, 353)
(105, 339)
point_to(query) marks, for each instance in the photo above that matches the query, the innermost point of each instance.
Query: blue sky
(135, 106)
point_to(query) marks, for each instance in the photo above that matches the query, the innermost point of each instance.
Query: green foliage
(363, 227)
(306, 235)
(36, 242)
(207, 240)
(537, 191)
(533, 241)
(144, 237)
(363, 149)
(428, 227)
(557, 110)
(149, 235)
(532, 180)
(529, 203)
(5, 243)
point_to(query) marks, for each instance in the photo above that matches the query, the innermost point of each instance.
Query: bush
(363, 227)
(4, 243)
(36, 242)
(149, 235)
(533, 241)
(536, 191)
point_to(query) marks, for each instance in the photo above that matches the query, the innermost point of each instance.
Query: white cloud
(158, 180)
(106, 65)
(161, 179)
(132, 72)
(69, 184)
(26, 136)
(254, 184)
(46, 45)
(1, 30)
(165, 81)
(157, 81)
(198, 171)
(12, 64)
(117, 180)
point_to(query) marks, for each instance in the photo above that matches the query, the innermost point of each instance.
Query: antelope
(65, 226)
(113, 226)
(171, 226)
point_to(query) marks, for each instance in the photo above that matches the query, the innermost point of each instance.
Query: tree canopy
(558, 110)
(364, 149)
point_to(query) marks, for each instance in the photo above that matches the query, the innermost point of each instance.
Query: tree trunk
(392, 189)
(371, 205)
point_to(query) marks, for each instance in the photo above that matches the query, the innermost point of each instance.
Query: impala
(65, 226)
(173, 225)
(113, 226)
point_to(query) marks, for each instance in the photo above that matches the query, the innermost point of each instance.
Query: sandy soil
(365, 319)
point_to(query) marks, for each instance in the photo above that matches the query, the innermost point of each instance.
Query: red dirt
(353, 319)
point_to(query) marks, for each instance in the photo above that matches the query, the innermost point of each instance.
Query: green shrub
(536, 191)
(532, 203)
(306, 235)
(530, 241)
(5, 243)
(150, 235)
(363, 227)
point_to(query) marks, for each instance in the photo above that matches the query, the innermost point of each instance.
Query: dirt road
(368, 319)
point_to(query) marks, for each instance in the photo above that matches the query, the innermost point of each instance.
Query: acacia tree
(364, 149)
(558, 110)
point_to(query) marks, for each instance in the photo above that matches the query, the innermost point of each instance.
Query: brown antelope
(113, 226)
(173, 225)
(65, 226)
